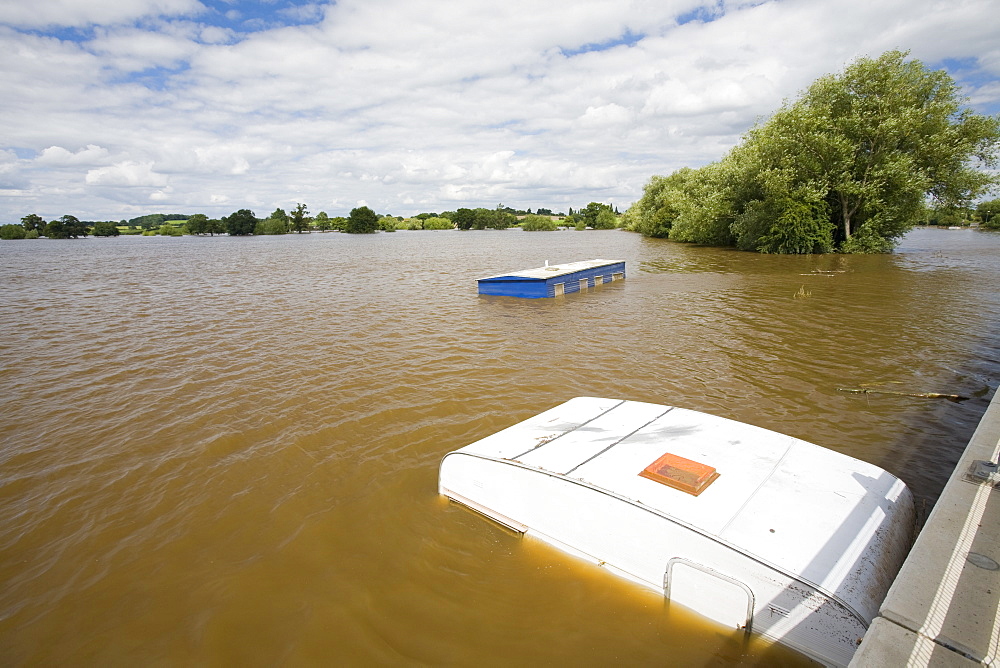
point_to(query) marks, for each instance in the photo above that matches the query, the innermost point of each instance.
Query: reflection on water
(225, 450)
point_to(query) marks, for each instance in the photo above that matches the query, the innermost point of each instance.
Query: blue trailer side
(553, 281)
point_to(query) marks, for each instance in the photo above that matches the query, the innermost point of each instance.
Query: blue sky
(116, 108)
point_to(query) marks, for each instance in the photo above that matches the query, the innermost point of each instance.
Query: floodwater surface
(225, 450)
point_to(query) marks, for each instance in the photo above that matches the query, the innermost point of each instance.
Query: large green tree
(74, 226)
(10, 232)
(606, 220)
(215, 226)
(464, 219)
(322, 221)
(387, 223)
(499, 218)
(276, 223)
(271, 226)
(688, 205)
(170, 230)
(591, 212)
(197, 224)
(535, 223)
(362, 220)
(66, 227)
(240, 223)
(850, 165)
(299, 222)
(989, 214)
(33, 222)
(438, 223)
(106, 228)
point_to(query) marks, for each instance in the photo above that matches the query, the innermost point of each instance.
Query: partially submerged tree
(362, 220)
(197, 224)
(989, 214)
(464, 218)
(499, 218)
(66, 227)
(536, 223)
(592, 211)
(605, 220)
(850, 166)
(298, 219)
(240, 223)
(11, 232)
(169, 230)
(105, 228)
(322, 222)
(271, 226)
(33, 222)
(438, 223)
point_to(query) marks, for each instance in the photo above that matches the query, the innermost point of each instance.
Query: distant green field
(177, 223)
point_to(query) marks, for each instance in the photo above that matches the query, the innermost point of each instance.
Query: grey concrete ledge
(943, 609)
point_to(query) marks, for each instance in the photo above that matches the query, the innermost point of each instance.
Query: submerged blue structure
(555, 280)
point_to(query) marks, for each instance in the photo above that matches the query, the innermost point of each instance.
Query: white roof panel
(573, 448)
(519, 438)
(555, 269)
(743, 455)
(776, 496)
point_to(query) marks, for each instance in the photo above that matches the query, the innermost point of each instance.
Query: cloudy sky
(116, 108)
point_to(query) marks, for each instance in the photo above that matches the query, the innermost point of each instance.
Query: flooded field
(225, 450)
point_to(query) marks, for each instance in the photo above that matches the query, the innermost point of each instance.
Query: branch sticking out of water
(921, 395)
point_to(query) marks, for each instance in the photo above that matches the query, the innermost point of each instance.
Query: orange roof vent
(679, 473)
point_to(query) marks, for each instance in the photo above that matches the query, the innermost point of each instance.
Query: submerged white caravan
(751, 528)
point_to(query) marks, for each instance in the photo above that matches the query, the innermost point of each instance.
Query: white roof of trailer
(555, 269)
(795, 504)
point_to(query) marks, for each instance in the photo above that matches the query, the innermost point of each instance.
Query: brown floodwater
(225, 450)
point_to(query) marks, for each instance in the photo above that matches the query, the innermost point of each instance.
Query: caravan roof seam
(625, 437)
(760, 486)
(570, 431)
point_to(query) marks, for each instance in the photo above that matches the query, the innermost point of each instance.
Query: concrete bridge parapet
(943, 609)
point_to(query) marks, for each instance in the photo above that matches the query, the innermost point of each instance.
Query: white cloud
(413, 105)
(303, 13)
(606, 115)
(215, 35)
(59, 156)
(11, 177)
(90, 12)
(228, 159)
(131, 49)
(127, 173)
(987, 94)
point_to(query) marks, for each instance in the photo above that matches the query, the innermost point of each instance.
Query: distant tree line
(154, 220)
(33, 226)
(361, 220)
(984, 214)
